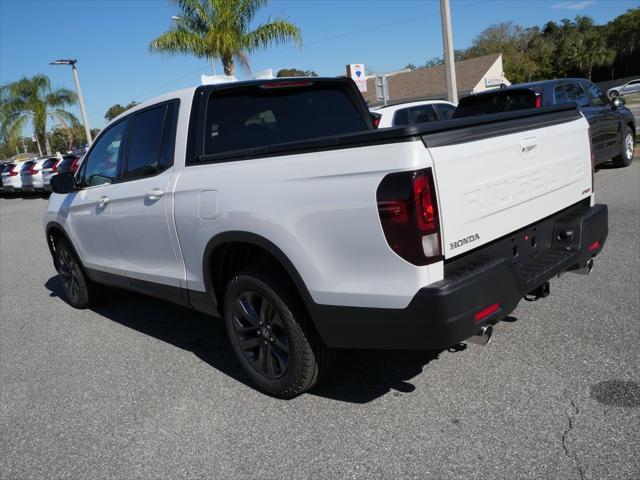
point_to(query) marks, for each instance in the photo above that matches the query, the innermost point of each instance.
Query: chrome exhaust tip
(586, 270)
(483, 337)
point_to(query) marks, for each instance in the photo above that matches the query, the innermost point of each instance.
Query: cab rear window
(495, 102)
(268, 114)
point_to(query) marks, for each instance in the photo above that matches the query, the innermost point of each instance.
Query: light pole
(449, 64)
(85, 120)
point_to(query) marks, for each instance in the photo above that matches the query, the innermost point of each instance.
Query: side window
(401, 118)
(168, 138)
(560, 95)
(144, 147)
(444, 110)
(575, 93)
(597, 97)
(105, 159)
(422, 114)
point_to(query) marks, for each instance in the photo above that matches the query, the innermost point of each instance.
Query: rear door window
(560, 95)
(401, 117)
(422, 114)
(49, 163)
(575, 93)
(445, 111)
(598, 99)
(144, 147)
(495, 102)
(263, 115)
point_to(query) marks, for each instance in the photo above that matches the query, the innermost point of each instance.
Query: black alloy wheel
(261, 335)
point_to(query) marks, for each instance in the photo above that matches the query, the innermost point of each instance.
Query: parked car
(11, 178)
(31, 175)
(69, 163)
(49, 169)
(413, 113)
(630, 87)
(278, 206)
(613, 126)
(497, 101)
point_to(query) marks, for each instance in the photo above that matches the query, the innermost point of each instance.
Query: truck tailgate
(502, 177)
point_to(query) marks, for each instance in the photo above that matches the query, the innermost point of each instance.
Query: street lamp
(85, 120)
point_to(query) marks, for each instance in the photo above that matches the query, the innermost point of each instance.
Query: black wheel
(272, 337)
(614, 93)
(626, 155)
(77, 287)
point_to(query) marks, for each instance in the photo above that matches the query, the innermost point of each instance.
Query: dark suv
(613, 126)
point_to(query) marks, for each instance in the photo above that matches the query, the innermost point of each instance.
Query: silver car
(632, 86)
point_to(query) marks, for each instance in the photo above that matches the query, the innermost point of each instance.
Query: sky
(110, 39)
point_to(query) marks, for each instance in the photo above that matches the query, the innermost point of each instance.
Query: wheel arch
(54, 231)
(221, 255)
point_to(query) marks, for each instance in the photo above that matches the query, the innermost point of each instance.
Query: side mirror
(618, 102)
(63, 183)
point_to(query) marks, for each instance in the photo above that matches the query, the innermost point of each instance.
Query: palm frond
(180, 41)
(276, 32)
(60, 97)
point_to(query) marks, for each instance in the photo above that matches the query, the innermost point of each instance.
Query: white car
(276, 205)
(414, 113)
(49, 169)
(31, 175)
(630, 87)
(11, 178)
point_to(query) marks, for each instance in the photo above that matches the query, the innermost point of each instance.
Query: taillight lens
(13, 172)
(408, 212)
(32, 169)
(538, 100)
(54, 166)
(74, 165)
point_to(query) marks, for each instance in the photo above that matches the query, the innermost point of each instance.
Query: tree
(410, 66)
(587, 49)
(221, 29)
(117, 109)
(33, 99)
(294, 72)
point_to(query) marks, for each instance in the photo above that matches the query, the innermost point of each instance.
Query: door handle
(154, 194)
(102, 201)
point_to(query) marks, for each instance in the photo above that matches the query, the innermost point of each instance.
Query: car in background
(11, 178)
(413, 113)
(49, 169)
(630, 87)
(613, 126)
(69, 163)
(31, 175)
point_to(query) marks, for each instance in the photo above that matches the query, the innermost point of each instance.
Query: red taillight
(484, 313)
(74, 165)
(376, 121)
(538, 100)
(32, 169)
(594, 246)
(54, 167)
(408, 213)
(13, 172)
(286, 84)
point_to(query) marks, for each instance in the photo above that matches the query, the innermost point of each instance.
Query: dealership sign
(355, 71)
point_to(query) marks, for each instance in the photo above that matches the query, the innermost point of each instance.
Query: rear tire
(78, 289)
(272, 337)
(626, 155)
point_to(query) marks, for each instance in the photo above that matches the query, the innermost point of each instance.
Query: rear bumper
(491, 279)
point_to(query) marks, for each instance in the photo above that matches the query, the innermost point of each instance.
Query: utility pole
(83, 111)
(447, 43)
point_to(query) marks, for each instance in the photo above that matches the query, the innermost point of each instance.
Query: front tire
(626, 155)
(272, 336)
(77, 286)
(614, 94)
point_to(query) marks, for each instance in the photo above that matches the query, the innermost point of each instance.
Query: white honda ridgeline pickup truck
(277, 205)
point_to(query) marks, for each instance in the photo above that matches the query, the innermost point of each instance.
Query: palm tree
(221, 29)
(33, 99)
(586, 50)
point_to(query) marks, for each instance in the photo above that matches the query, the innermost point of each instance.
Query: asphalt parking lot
(139, 388)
